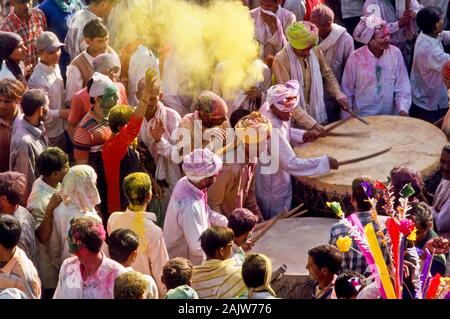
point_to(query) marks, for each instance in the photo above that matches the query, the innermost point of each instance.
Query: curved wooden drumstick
(356, 116)
(362, 158)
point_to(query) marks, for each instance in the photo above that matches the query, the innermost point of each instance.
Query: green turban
(301, 35)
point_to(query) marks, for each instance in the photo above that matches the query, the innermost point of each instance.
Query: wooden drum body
(415, 143)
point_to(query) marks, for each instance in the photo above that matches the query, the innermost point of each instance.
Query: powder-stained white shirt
(188, 216)
(50, 79)
(97, 286)
(377, 86)
(428, 89)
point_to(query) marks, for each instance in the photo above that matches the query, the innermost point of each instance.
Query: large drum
(287, 243)
(415, 143)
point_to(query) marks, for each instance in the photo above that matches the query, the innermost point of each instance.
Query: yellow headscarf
(253, 128)
(302, 35)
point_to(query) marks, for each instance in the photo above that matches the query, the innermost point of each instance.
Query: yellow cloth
(218, 279)
(301, 36)
(267, 279)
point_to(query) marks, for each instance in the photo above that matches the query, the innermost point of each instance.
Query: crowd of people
(98, 201)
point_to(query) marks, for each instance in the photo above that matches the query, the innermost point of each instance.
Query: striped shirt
(19, 272)
(90, 135)
(28, 30)
(218, 279)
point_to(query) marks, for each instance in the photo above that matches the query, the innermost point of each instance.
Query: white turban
(100, 83)
(78, 187)
(284, 97)
(365, 30)
(201, 164)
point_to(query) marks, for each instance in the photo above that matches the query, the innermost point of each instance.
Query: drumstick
(356, 116)
(362, 158)
(264, 224)
(351, 134)
(298, 214)
(270, 224)
(334, 125)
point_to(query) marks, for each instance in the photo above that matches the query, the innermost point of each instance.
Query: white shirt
(274, 191)
(141, 60)
(62, 215)
(152, 252)
(152, 288)
(50, 79)
(188, 216)
(74, 42)
(428, 89)
(74, 81)
(5, 73)
(377, 86)
(37, 204)
(97, 286)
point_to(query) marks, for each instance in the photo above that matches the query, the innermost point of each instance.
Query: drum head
(415, 143)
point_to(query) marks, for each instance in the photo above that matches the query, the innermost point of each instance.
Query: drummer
(274, 191)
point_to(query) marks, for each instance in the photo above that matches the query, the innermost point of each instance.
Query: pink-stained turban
(365, 30)
(201, 164)
(284, 97)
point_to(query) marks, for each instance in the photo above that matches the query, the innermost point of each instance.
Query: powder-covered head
(79, 187)
(201, 164)
(137, 187)
(12, 185)
(302, 35)
(86, 232)
(253, 128)
(242, 221)
(119, 116)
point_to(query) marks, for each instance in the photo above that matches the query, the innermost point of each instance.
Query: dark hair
(214, 238)
(95, 29)
(136, 187)
(346, 285)
(53, 159)
(130, 285)
(89, 231)
(326, 256)
(177, 272)
(12, 185)
(88, 86)
(121, 243)
(119, 116)
(253, 271)
(402, 175)
(446, 148)
(11, 89)
(10, 231)
(241, 221)
(359, 194)
(32, 100)
(237, 115)
(421, 213)
(427, 18)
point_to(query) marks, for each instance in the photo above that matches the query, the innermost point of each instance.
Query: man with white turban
(271, 21)
(188, 213)
(375, 78)
(303, 61)
(235, 185)
(80, 196)
(274, 191)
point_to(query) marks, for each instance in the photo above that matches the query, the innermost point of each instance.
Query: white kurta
(297, 7)
(274, 191)
(98, 286)
(428, 89)
(377, 86)
(237, 99)
(188, 216)
(161, 152)
(50, 79)
(74, 80)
